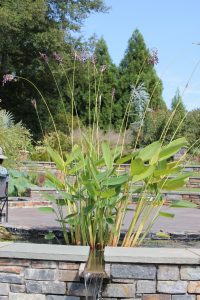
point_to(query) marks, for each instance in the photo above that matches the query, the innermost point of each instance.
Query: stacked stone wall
(50, 272)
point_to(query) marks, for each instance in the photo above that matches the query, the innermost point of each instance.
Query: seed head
(103, 68)
(113, 92)
(34, 103)
(82, 56)
(57, 58)
(7, 78)
(44, 57)
(94, 59)
(153, 57)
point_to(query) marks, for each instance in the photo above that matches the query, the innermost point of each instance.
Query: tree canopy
(37, 43)
(28, 28)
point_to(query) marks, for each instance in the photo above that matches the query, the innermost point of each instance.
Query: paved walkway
(185, 220)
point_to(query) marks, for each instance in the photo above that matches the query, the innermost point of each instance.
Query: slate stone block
(133, 271)
(190, 273)
(119, 290)
(172, 287)
(40, 274)
(168, 273)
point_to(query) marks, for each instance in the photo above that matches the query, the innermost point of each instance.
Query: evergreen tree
(177, 103)
(96, 79)
(179, 111)
(137, 67)
(192, 128)
(108, 85)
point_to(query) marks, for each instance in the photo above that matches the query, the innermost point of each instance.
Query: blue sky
(171, 26)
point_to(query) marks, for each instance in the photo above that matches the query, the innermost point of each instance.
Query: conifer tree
(108, 84)
(177, 106)
(177, 103)
(96, 80)
(137, 67)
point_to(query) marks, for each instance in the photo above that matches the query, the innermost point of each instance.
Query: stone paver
(150, 255)
(42, 251)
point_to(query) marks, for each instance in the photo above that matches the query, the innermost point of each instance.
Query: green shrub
(13, 138)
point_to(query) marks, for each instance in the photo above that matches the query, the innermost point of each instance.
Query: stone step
(38, 193)
(27, 202)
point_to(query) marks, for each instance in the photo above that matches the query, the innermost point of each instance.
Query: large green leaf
(161, 173)
(118, 180)
(172, 148)
(57, 182)
(171, 184)
(67, 196)
(174, 183)
(108, 193)
(150, 152)
(46, 209)
(147, 172)
(110, 221)
(163, 235)
(93, 172)
(107, 155)
(137, 166)
(166, 214)
(90, 188)
(77, 167)
(173, 164)
(71, 216)
(127, 158)
(183, 204)
(57, 159)
(88, 209)
(102, 175)
(49, 236)
(75, 153)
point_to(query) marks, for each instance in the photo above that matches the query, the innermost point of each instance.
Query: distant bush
(40, 153)
(14, 137)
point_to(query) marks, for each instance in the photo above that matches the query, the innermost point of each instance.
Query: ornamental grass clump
(94, 191)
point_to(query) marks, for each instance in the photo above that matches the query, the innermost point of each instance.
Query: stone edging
(111, 254)
(174, 256)
(44, 252)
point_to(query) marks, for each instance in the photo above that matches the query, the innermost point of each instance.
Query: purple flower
(153, 57)
(81, 56)
(57, 58)
(7, 78)
(44, 57)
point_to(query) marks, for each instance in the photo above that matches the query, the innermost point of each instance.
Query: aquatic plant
(95, 193)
